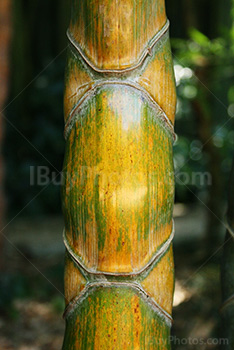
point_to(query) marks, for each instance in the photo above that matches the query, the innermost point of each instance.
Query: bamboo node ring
(141, 59)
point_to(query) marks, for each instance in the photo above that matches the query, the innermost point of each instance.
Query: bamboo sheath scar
(118, 191)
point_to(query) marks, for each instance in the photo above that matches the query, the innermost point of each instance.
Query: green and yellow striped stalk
(118, 191)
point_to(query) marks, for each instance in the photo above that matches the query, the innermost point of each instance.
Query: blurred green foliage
(204, 68)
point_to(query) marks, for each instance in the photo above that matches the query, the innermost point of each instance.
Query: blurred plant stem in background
(205, 102)
(5, 30)
(227, 268)
(37, 68)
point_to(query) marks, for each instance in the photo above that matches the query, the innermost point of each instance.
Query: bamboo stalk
(227, 268)
(118, 191)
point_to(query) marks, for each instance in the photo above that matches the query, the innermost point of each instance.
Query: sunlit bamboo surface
(118, 191)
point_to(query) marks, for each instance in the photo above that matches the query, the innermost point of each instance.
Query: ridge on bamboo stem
(119, 184)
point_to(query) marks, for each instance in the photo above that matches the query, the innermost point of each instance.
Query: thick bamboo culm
(118, 191)
(227, 272)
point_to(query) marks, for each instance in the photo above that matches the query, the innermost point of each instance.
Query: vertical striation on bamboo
(118, 191)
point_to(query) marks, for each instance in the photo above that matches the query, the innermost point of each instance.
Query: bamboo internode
(119, 183)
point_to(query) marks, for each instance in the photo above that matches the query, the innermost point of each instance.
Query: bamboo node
(90, 93)
(134, 66)
(159, 253)
(92, 286)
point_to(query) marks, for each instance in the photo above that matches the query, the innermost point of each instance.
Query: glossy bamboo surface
(113, 34)
(118, 190)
